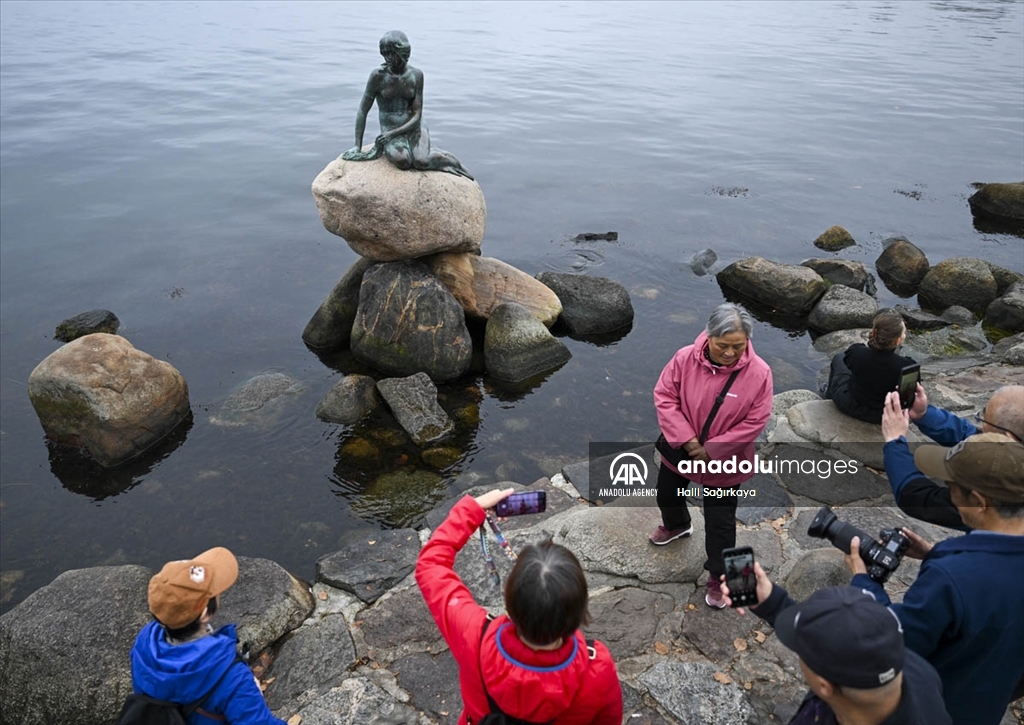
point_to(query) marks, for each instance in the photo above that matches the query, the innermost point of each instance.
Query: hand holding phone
(740, 577)
(910, 376)
(525, 502)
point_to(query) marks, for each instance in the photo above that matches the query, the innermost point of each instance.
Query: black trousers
(719, 517)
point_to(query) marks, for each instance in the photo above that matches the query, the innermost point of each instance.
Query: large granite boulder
(843, 308)
(901, 266)
(834, 239)
(407, 322)
(1005, 278)
(413, 401)
(330, 328)
(351, 398)
(1007, 312)
(820, 421)
(266, 603)
(817, 569)
(783, 287)
(590, 305)
(839, 271)
(481, 284)
(100, 393)
(832, 342)
(964, 281)
(64, 650)
(518, 346)
(388, 214)
(87, 323)
(999, 202)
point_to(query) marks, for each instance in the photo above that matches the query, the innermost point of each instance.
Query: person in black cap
(852, 657)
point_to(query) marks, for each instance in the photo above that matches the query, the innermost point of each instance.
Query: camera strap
(502, 542)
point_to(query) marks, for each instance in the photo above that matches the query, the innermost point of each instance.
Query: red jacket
(578, 691)
(685, 395)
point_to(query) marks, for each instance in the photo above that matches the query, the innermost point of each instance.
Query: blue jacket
(917, 495)
(183, 673)
(964, 615)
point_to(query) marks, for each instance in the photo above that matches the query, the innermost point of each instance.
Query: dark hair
(546, 593)
(192, 627)
(886, 329)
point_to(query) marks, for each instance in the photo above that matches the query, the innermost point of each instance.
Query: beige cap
(989, 463)
(178, 594)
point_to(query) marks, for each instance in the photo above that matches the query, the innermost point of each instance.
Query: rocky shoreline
(358, 644)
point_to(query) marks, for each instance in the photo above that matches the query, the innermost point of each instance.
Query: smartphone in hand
(525, 502)
(739, 576)
(910, 376)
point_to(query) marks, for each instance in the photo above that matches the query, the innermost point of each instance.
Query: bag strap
(718, 404)
(490, 700)
(198, 704)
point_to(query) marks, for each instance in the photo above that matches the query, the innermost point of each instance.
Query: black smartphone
(910, 376)
(526, 502)
(739, 575)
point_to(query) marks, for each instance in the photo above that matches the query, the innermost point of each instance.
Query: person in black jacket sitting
(863, 375)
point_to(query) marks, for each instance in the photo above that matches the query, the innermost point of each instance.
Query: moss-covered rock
(401, 498)
(999, 202)
(834, 239)
(964, 281)
(441, 456)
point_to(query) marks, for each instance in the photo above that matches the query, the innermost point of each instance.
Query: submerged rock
(257, 401)
(834, 239)
(590, 305)
(86, 324)
(962, 281)
(999, 202)
(100, 393)
(413, 401)
(901, 266)
(517, 346)
(783, 287)
(330, 328)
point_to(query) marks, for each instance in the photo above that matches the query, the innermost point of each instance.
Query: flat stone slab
(689, 691)
(398, 626)
(820, 421)
(627, 620)
(370, 562)
(315, 658)
(613, 540)
(816, 475)
(433, 684)
(713, 634)
(357, 701)
(413, 401)
(770, 503)
(266, 603)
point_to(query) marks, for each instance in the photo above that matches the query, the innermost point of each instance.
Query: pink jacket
(685, 395)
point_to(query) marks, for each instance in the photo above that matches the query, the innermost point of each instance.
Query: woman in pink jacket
(722, 449)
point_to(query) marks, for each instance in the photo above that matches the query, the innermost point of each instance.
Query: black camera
(881, 557)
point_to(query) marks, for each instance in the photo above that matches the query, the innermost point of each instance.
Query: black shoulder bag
(672, 455)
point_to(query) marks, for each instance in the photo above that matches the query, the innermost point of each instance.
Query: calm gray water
(156, 160)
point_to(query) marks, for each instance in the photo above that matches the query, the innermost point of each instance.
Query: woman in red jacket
(533, 663)
(713, 440)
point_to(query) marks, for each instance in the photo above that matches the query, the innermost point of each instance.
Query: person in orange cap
(181, 658)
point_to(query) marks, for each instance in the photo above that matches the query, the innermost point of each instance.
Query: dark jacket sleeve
(916, 494)
(778, 600)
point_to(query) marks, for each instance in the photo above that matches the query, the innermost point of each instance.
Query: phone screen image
(528, 502)
(739, 575)
(909, 378)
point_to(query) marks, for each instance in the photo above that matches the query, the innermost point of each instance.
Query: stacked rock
(402, 307)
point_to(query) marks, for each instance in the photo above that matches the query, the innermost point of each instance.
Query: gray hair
(727, 318)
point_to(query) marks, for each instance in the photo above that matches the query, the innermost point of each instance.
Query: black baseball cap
(844, 635)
